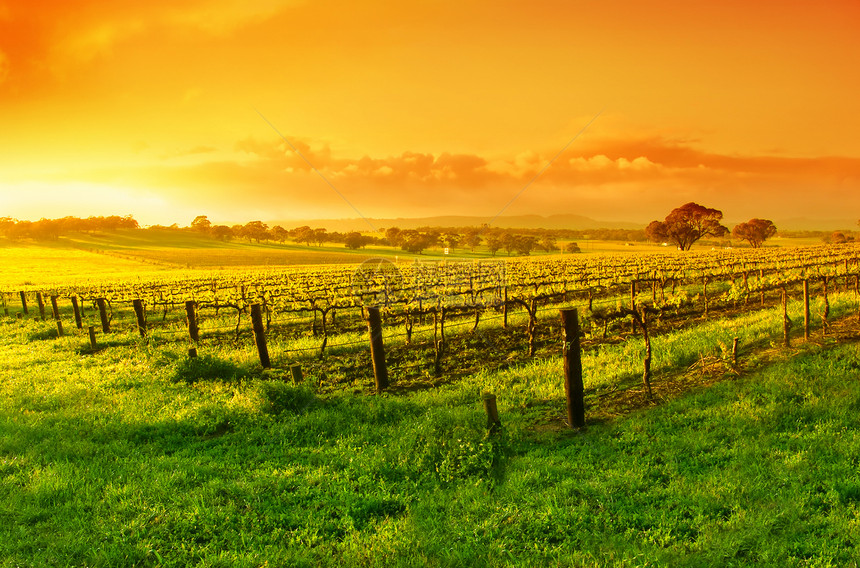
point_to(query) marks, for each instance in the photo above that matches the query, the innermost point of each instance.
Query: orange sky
(424, 108)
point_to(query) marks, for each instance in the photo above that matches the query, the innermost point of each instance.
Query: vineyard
(447, 319)
(342, 415)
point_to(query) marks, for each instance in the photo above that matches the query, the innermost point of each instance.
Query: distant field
(137, 253)
(32, 265)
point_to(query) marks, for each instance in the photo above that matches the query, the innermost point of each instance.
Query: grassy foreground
(137, 456)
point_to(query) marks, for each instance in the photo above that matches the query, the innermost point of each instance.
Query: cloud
(407, 167)
(223, 16)
(60, 35)
(196, 150)
(615, 180)
(4, 67)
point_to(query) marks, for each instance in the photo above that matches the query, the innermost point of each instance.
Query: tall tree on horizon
(687, 224)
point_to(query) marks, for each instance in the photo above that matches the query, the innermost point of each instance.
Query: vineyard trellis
(329, 301)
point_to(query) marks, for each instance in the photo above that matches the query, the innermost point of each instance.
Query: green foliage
(207, 368)
(454, 446)
(42, 334)
(280, 397)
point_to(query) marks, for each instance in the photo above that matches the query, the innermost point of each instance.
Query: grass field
(131, 457)
(135, 455)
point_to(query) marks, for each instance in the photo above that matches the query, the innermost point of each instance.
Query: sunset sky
(169, 109)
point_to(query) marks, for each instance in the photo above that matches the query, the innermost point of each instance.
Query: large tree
(320, 236)
(222, 232)
(256, 230)
(279, 233)
(472, 237)
(201, 223)
(686, 225)
(755, 231)
(303, 234)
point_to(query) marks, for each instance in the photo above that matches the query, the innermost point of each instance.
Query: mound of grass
(208, 368)
(280, 397)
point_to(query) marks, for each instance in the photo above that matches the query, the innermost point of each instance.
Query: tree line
(52, 229)
(519, 241)
(682, 227)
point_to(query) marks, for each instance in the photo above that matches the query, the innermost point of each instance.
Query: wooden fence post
(41, 303)
(54, 308)
(92, 333)
(377, 349)
(24, 301)
(260, 335)
(493, 422)
(141, 316)
(573, 388)
(786, 322)
(633, 304)
(77, 310)
(806, 309)
(191, 317)
(504, 308)
(192, 353)
(735, 351)
(296, 372)
(102, 303)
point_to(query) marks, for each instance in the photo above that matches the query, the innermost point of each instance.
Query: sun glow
(80, 199)
(149, 108)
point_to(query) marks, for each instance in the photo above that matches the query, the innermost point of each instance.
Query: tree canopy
(687, 224)
(755, 231)
(49, 229)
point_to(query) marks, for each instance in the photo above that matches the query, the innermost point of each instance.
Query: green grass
(135, 455)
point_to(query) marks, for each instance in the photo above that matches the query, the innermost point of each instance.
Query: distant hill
(801, 224)
(576, 222)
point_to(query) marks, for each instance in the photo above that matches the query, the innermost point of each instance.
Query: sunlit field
(37, 265)
(120, 448)
(164, 253)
